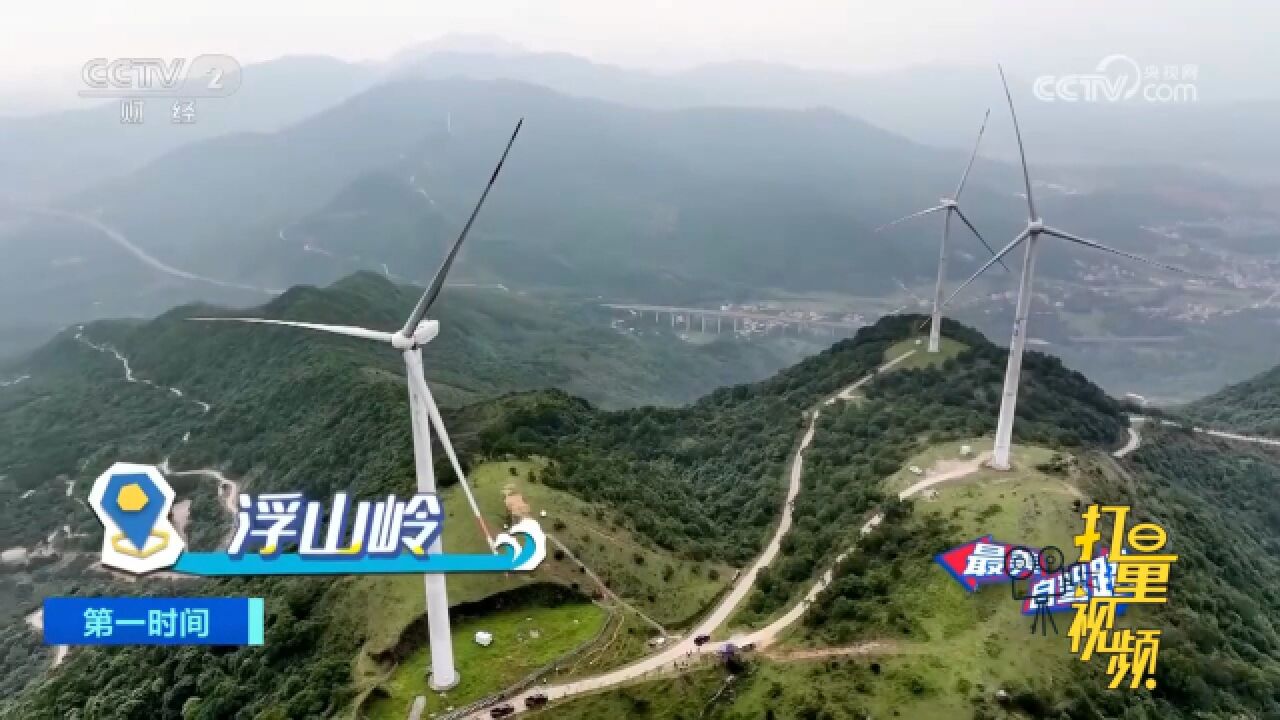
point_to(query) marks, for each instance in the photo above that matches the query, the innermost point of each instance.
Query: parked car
(501, 711)
(535, 701)
(701, 640)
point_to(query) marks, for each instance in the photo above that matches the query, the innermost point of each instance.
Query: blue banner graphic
(211, 564)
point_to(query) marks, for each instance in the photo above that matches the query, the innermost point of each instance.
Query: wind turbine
(424, 415)
(952, 206)
(1035, 228)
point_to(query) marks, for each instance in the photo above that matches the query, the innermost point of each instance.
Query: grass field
(636, 572)
(385, 605)
(943, 455)
(979, 639)
(968, 644)
(523, 641)
(947, 348)
(962, 647)
(623, 642)
(668, 589)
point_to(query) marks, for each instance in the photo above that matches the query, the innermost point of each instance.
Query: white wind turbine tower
(952, 206)
(424, 414)
(1035, 228)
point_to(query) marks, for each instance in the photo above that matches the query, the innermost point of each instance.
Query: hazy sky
(1230, 41)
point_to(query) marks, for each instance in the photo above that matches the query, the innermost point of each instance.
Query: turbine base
(442, 687)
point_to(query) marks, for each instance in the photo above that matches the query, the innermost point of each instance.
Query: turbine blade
(933, 209)
(972, 157)
(437, 283)
(996, 258)
(979, 236)
(438, 423)
(1022, 154)
(1106, 248)
(348, 330)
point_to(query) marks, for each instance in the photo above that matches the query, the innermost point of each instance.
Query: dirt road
(684, 649)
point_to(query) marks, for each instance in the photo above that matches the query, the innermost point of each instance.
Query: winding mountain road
(1135, 438)
(685, 648)
(142, 255)
(228, 489)
(1256, 440)
(769, 634)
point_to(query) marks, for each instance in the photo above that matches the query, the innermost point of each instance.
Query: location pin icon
(134, 503)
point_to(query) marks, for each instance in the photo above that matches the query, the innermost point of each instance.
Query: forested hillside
(1221, 648)
(1220, 652)
(709, 477)
(76, 414)
(704, 481)
(858, 444)
(905, 641)
(1252, 406)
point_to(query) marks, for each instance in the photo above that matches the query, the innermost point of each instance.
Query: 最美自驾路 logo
(287, 534)
(1133, 569)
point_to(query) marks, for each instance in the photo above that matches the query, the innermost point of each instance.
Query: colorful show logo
(133, 503)
(1134, 569)
(976, 563)
(284, 534)
(1039, 576)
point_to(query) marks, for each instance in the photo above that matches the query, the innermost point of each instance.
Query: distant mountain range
(935, 105)
(653, 200)
(598, 199)
(47, 156)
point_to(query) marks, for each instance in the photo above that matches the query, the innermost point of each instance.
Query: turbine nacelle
(947, 202)
(1035, 227)
(426, 332)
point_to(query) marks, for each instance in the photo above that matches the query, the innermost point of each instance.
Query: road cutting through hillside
(1135, 438)
(685, 649)
(228, 489)
(141, 255)
(768, 635)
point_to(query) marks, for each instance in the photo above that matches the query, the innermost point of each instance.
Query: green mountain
(669, 206)
(607, 192)
(696, 486)
(700, 484)
(687, 206)
(1250, 407)
(597, 200)
(895, 637)
(76, 414)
